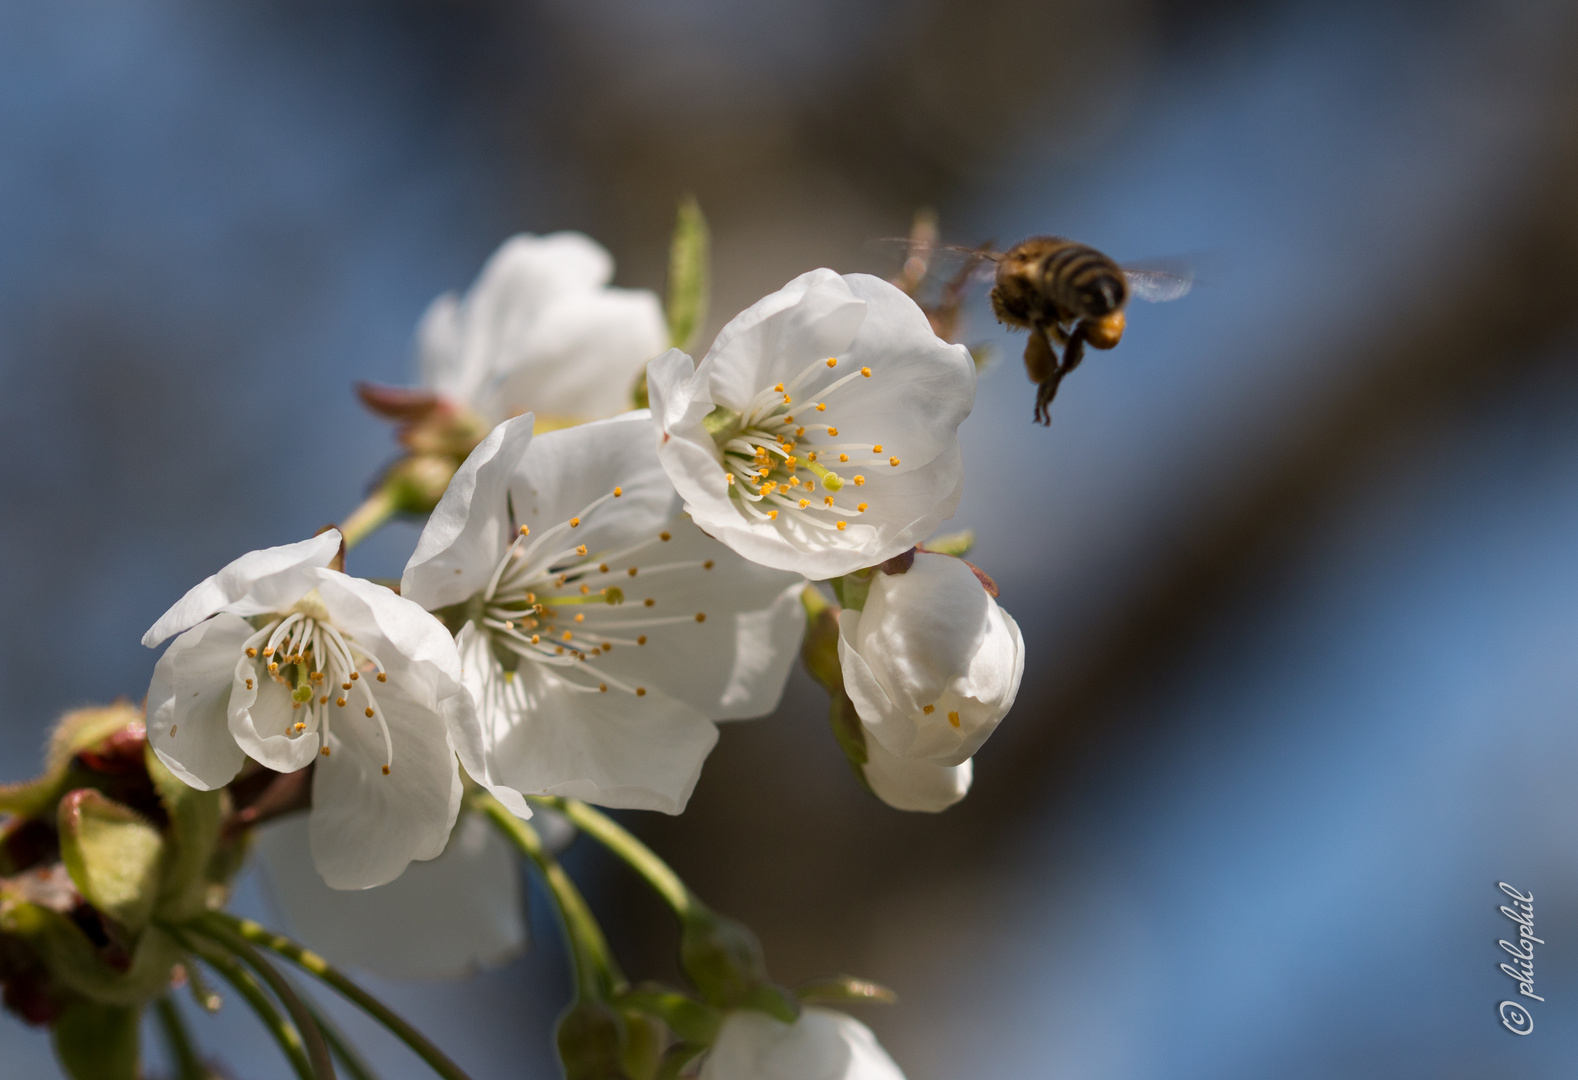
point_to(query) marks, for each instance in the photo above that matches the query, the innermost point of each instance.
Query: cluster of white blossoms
(588, 600)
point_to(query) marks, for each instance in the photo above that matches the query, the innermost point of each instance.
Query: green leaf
(113, 855)
(195, 818)
(844, 989)
(98, 1042)
(689, 274)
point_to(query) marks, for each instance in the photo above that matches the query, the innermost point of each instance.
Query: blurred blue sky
(212, 221)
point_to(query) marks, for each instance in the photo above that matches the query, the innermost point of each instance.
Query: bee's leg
(1073, 353)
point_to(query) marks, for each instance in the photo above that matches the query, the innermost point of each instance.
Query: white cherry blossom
(931, 661)
(601, 632)
(819, 434)
(820, 1045)
(283, 660)
(541, 330)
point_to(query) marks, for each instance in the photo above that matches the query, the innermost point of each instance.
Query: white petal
(187, 702)
(729, 665)
(446, 918)
(442, 364)
(262, 719)
(397, 630)
(814, 316)
(545, 737)
(470, 528)
(820, 1045)
(259, 582)
(906, 784)
(583, 356)
(366, 827)
(930, 637)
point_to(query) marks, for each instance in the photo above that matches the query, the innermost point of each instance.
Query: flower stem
(365, 520)
(642, 859)
(318, 967)
(306, 1023)
(356, 1067)
(187, 1064)
(235, 973)
(596, 974)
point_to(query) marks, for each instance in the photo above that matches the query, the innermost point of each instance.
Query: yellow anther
(536, 640)
(894, 462)
(772, 515)
(345, 686)
(788, 419)
(707, 565)
(632, 571)
(324, 700)
(928, 709)
(252, 652)
(877, 449)
(269, 651)
(575, 523)
(580, 549)
(525, 530)
(832, 431)
(566, 636)
(811, 456)
(799, 431)
(827, 500)
(300, 727)
(172, 730)
(618, 491)
(859, 480)
(861, 509)
(355, 675)
(842, 525)
(249, 684)
(641, 691)
(804, 503)
(382, 677)
(340, 702)
(580, 617)
(642, 640)
(324, 751)
(729, 477)
(789, 462)
(664, 536)
(866, 372)
(843, 457)
(779, 388)
(369, 712)
(701, 616)
(821, 406)
(585, 589)
(273, 669)
(602, 568)
(953, 718)
(602, 688)
(558, 650)
(386, 770)
(831, 362)
(648, 602)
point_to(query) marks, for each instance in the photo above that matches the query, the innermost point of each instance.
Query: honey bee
(1068, 296)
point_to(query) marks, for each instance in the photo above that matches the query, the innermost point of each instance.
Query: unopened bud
(724, 961)
(590, 1042)
(416, 483)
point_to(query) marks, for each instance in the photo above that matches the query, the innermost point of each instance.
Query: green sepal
(190, 865)
(819, 647)
(689, 274)
(113, 854)
(641, 1053)
(851, 589)
(79, 730)
(590, 1041)
(957, 544)
(775, 1001)
(844, 990)
(692, 1020)
(75, 963)
(98, 1042)
(722, 957)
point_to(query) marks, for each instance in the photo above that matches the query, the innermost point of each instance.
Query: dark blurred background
(1295, 564)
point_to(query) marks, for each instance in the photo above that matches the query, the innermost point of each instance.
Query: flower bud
(724, 961)
(930, 661)
(820, 1045)
(417, 482)
(590, 1041)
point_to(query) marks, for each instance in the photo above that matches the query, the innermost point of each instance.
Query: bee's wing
(1159, 286)
(943, 260)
